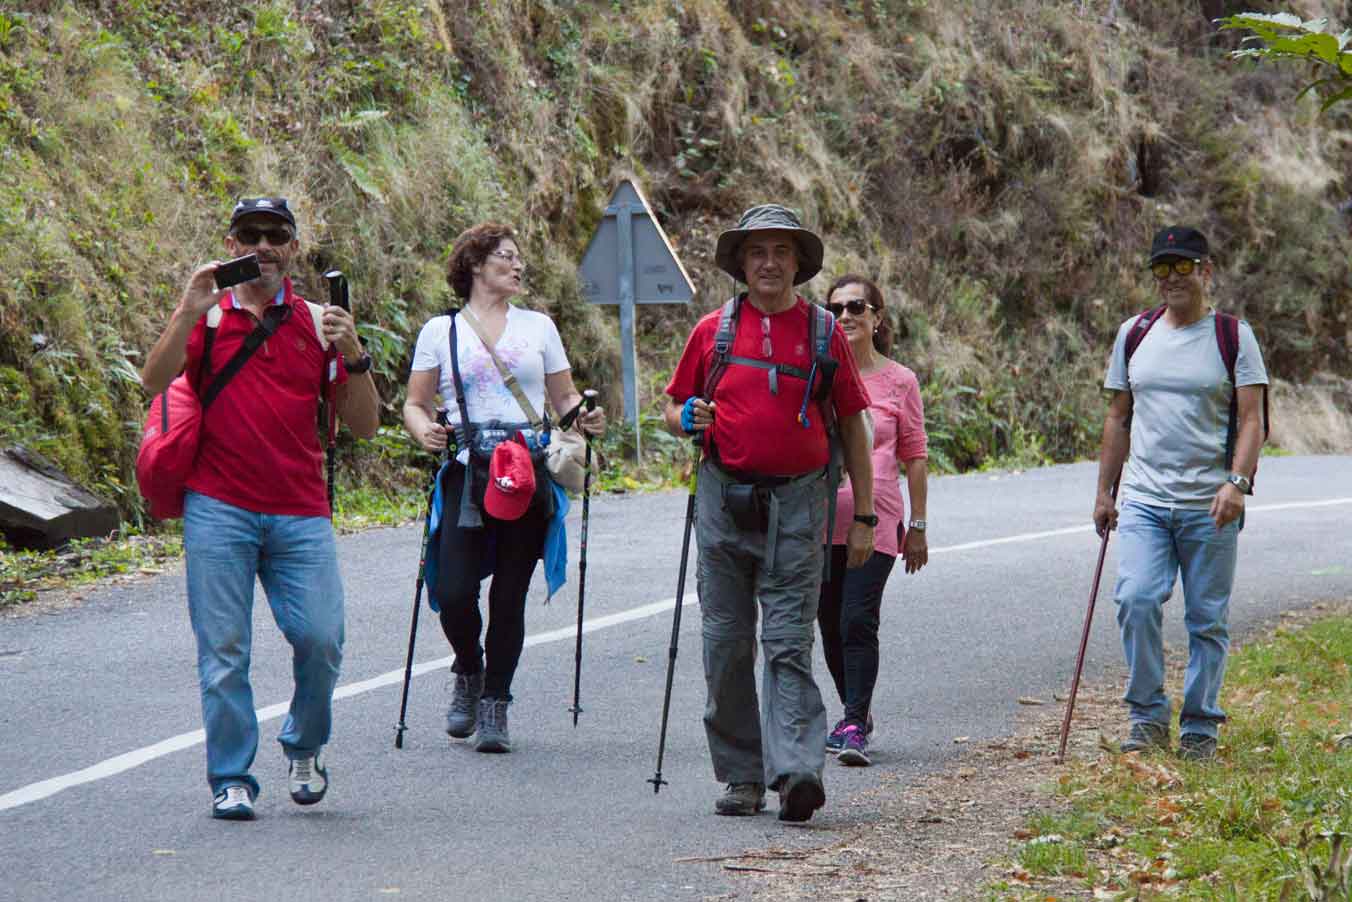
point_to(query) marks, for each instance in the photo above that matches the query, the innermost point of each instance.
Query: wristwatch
(866, 519)
(918, 525)
(361, 366)
(1240, 482)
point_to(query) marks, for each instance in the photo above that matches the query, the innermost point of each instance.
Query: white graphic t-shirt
(530, 347)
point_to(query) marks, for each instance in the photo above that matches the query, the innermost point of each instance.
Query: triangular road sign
(658, 276)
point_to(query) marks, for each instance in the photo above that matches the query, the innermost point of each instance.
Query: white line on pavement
(34, 792)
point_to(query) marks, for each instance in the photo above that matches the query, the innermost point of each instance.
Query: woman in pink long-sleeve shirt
(848, 610)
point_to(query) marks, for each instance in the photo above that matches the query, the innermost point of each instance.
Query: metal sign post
(629, 261)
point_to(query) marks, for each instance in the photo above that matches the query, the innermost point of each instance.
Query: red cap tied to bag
(511, 480)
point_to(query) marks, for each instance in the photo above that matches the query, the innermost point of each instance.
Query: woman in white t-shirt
(485, 270)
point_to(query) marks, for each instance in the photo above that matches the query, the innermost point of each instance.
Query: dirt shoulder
(949, 834)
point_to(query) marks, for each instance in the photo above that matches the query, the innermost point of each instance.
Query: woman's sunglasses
(1182, 266)
(251, 236)
(855, 308)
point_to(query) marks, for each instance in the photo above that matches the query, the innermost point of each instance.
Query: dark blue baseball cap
(1179, 241)
(271, 206)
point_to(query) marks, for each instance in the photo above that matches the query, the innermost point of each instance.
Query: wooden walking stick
(1084, 641)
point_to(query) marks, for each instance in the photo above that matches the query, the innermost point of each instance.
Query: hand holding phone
(236, 271)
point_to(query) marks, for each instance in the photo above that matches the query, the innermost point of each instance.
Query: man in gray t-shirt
(1183, 486)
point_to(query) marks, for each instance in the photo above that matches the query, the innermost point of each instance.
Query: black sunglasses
(276, 236)
(856, 308)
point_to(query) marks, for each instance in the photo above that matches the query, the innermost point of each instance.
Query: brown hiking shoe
(741, 799)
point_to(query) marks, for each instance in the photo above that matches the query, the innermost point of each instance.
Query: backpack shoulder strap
(1227, 340)
(723, 339)
(317, 316)
(1139, 328)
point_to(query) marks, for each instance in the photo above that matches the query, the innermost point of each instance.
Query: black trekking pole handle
(1084, 640)
(337, 296)
(417, 594)
(589, 400)
(656, 780)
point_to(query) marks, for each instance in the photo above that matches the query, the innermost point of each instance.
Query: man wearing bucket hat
(767, 381)
(1189, 405)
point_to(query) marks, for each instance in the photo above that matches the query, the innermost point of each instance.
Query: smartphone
(240, 269)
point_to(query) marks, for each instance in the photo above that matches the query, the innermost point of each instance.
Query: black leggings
(513, 547)
(848, 613)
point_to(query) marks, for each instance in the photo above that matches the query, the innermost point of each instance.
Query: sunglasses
(855, 308)
(1182, 266)
(276, 237)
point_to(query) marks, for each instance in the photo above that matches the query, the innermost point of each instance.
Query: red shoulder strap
(1139, 328)
(1227, 340)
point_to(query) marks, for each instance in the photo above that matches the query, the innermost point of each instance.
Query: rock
(41, 507)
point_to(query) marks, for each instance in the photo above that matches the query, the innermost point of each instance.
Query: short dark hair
(882, 339)
(472, 248)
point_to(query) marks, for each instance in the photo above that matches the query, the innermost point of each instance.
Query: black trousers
(512, 547)
(848, 614)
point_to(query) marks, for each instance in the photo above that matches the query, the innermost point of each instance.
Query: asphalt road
(102, 788)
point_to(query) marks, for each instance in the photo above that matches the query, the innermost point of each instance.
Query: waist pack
(480, 439)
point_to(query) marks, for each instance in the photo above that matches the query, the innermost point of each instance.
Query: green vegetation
(1270, 819)
(998, 166)
(1283, 36)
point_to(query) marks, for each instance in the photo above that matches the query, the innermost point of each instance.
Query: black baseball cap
(272, 206)
(1179, 241)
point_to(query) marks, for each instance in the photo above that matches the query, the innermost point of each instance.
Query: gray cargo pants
(734, 574)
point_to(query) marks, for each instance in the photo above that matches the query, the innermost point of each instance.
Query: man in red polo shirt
(762, 505)
(256, 502)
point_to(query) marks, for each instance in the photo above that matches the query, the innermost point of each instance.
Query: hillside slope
(999, 167)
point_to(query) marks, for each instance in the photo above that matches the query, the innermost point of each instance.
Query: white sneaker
(309, 779)
(233, 804)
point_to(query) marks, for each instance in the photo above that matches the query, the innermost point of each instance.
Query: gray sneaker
(460, 717)
(493, 726)
(741, 800)
(1196, 747)
(1146, 735)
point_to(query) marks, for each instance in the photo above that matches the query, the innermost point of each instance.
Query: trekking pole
(338, 296)
(656, 780)
(1084, 642)
(588, 399)
(417, 601)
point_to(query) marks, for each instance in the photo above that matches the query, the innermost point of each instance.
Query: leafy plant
(1285, 36)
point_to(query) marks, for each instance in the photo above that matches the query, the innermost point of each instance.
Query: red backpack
(1227, 342)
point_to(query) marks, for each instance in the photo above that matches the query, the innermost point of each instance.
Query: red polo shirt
(756, 431)
(260, 447)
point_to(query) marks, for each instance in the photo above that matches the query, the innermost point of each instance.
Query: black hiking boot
(1146, 735)
(1196, 747)
(461, 716)
(493, 726)
(741, 800)
(799, 796)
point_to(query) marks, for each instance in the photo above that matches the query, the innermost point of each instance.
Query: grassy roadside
(1263, 821)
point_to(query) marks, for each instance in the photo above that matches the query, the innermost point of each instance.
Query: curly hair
(882, 339)
(472, 248)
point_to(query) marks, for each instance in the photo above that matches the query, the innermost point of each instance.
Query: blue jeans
(295, 559)
(1158, 544)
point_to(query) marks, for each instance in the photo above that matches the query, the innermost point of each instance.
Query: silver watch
(1240, 482)
(917, 525)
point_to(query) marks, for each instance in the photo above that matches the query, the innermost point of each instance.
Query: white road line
(34, 792)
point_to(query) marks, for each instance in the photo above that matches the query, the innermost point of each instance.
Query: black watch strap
(361, 366)
(866, 519)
